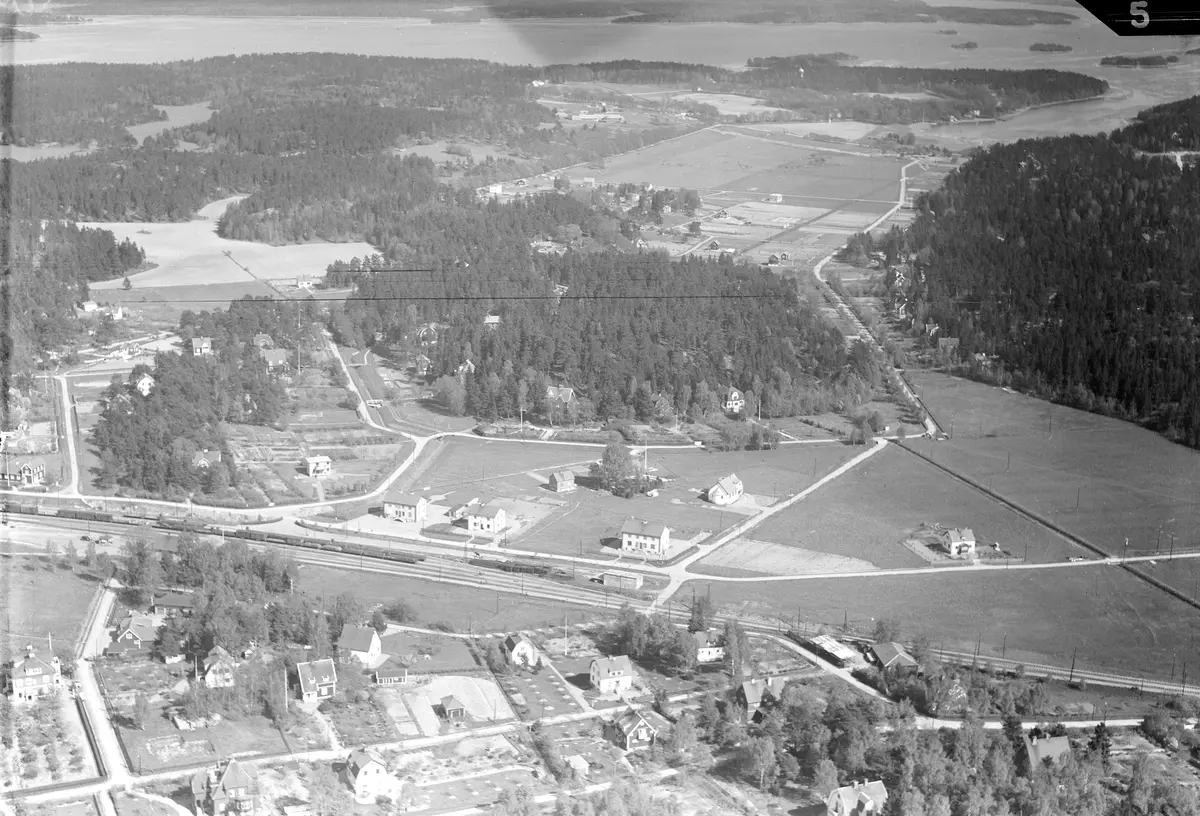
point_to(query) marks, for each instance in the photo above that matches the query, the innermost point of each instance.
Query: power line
(469, 298)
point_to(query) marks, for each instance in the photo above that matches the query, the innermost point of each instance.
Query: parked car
(85, 538)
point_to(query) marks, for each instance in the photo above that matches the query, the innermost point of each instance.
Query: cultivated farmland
(1117, 621)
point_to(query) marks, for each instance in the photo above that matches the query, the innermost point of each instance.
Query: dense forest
(1071, 258)
(1150, 61)
(147, 442)
(814, 85)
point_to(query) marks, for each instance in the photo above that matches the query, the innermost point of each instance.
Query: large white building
(611, 675)
(648, 537)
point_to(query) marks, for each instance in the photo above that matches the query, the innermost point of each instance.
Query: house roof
(563, 476)
(855, 798)
(612, 665)
(487, 511)
(733, 393)
(705, 639)
(316, 673)
(357, 638)
(892, 654)
(34, 662)
(452, 703)
(391, 669)
(316, 460)
(1042, 748)
(404, 499)
(274, 357)
(630, 720)
(730, 484)
(654, 529)
(359, 759)
(262, 338)
(236, 775)
(175, 600)
(564, 393)
(754, 689)
(217, 654)
(965, 534)
(141, 626)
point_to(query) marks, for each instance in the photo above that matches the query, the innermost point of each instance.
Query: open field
(850, 131)
(747, 556)
(1102, 479)
(191, 252)
(1117, 621)
(481, 465)
(461, 606)
(728, 104)
(869, 511)
(37, 601)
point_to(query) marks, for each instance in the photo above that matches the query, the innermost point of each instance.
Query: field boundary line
(1052, 526)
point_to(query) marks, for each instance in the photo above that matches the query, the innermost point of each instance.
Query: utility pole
(1004, 646)
(1078, 491)
(1071, 679)
(1008, 464)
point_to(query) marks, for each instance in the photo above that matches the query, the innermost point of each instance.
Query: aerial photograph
(598, 408)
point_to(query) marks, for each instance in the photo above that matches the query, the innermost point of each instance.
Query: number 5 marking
(1141, 18)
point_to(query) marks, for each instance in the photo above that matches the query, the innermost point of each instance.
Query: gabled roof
(630, 720)
(892, 654)
(359, 759)
(33, 662)
(404, 499)
(452, 703)
(217, 654)
(1043, 748)
(316, 673)
(754, 689)
(316, 460)
(357, 638)
(234, 776)
(486, 511)
(730, 484)
(563, 393)
(654, 529)
(513, 641)
(141, 626)
(705, 639)
(857, 798)
(392, 669)
(275, 357)
(563, 475)
(612, 665)
(965, 534)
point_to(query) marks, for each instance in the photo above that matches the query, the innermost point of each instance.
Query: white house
(958, 542)
(218, 669)
(201, 346)
(360, 642)
(709, 648)
(33, 676)
(726, 491)
(734, 401)
(649, 537)
(486, 518)
(367, 776)
(611, 675)
(519, 650)
(857, 799)
(318, 679)
(144, 385)
(318, 465)
(406, 507)
(562, 481)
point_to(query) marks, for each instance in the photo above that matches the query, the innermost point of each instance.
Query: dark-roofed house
(519, 650)
(452, 708)
(856, 799)
(631, 731)
(318, 679)
(893, 656)
(391, 674)
(360, 642)
(1042, 749)
(218, 669)
(33, 676)
(488, 518)
(611, 675)
(173, 603)
(24, 470)
(562, 481)
(406, 507)
(230, 788)
(135, 634)
(753, 693)
(726, 491)
(274, 358)
(366, 775)
(649, 537)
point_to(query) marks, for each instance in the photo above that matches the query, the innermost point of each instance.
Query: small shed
(452, 709)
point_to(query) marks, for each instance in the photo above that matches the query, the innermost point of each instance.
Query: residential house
(857, 799)
(391, 674)
(202, 346)
(360, 642)
(218, 669)
(621, 579)
(231, 788)
(1041, 749)
(519, 650)
(560, 395)
(733, 402)
(263, 341)
(173, 603)
(306, 284)
(714, 244)
(562, 481)
(649, 537)
(958, 542)
(631, 731)
(487, 518)
(366, 775)
(491, 322)
(611, 675)
(459, 510)
(775, 198)
(144, 385)
(710, 648)
(726, 491)
(89, 306)
(406, 507)
(751, 694)
(24, 470)
(318, 465)
(205, 459)
(318, 679)
(275, 359)
(893, 656)
(422, 365)
(465, 370)
(135, 635)
(33, 676)
(452, 709)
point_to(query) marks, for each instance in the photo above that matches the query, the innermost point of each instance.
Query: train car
(525, 568)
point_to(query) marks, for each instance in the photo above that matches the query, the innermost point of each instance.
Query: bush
(443, 626)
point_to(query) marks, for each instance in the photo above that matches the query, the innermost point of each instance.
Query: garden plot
(47, 745)
(391, 700)
(481, 696)
(777, 215)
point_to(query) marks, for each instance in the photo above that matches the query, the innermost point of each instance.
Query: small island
(1051, 47)
(949, 31)
(1154, 61)
(965, 46)
(8, 33)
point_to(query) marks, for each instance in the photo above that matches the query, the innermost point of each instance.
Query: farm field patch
(850, 131)
(1100, 478)
(728, 104)
(1117, 621)
(746, 556)
(192, 252)
(868, 511)
(482, 464)
(463, 607)
(37, 599)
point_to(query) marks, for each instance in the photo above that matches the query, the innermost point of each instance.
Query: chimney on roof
(29, 649)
